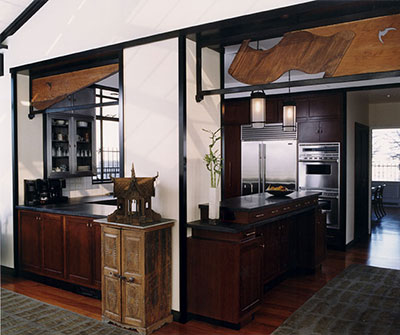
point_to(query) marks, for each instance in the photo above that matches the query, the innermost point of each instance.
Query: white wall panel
(151, 130)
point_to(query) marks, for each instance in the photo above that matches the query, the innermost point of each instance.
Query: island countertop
(259, 201)
(246, 212)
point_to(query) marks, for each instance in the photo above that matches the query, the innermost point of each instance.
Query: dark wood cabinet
(78, 248)
(96, 254)
(232, 161)
(225, 275)
(30, 241)
(329, 130)
(278, 249)
(325, 105)
(60, 246)
(53, 244)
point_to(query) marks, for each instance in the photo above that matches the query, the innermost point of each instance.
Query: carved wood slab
(299, 50)
(47, 91)
(375, 47)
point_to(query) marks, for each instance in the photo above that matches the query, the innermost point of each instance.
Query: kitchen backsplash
(83, 186)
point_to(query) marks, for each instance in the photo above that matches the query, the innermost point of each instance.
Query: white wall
(203, 115)
(151, 130)
(65, 27)
(30, 139)
(357, 111)
(384, 115)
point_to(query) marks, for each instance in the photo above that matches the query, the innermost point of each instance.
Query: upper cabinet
(71, 138)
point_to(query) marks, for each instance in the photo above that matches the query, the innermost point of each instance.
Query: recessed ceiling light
(387, 95)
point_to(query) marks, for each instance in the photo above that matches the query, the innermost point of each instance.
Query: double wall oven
(319, 170)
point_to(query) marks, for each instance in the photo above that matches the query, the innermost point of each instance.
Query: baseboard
(8, 271)
(86, 291)
(351, 244)
(176, 315)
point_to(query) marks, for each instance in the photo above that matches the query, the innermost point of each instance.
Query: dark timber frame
(216, 35)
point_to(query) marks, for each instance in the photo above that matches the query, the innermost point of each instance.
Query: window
(386, 154)
(107, 136)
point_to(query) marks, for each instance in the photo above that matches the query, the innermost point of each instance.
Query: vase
(213, 203)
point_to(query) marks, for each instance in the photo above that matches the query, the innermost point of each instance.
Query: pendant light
(258, 106)
(289, 114)
(258, 109)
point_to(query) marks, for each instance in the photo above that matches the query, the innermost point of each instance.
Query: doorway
(361, 180)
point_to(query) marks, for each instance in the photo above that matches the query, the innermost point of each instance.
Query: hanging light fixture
(258, 109)
(289, 113)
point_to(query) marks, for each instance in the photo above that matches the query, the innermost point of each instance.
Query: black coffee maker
(44, 191)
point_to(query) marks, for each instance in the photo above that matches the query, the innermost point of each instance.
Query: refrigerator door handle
(260, 166)
(264, 168)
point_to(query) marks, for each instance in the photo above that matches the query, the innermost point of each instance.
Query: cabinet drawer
(222, 236)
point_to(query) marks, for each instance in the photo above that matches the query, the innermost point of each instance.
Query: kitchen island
(258, 239)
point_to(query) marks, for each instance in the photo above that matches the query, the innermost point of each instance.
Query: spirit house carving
(134, 200)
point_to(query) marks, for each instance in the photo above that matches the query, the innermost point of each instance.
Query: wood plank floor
(382, 249)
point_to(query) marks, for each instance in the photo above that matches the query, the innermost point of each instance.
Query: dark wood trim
(199, 69)
(182, 98)
(14, 144)
(5, 270)
(301, 83)
(31, 10)
(121, 114)
(1, 65)
(222, 99)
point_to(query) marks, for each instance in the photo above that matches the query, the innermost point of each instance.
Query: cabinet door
(251, 263)
(320, 237)
(236, 112)
(96, 230)
(132, 266)
(308, 131)
(84, 162)
(273, 112)
(232, 162)
(78, 237)
(326, 106)
(330, 130)
(59, 146)
(302, 107)
(30, 241)
(111, 269)
(284, 230)
(271, 262)
(53, 244)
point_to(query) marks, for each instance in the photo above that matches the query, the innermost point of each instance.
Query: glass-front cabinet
(70, 145)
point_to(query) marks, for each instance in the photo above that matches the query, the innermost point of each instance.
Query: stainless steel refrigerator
(268, 162)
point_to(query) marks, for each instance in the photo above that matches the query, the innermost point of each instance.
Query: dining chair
(380, 200)
(375, 201)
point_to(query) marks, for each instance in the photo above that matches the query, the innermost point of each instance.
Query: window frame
(102, 118)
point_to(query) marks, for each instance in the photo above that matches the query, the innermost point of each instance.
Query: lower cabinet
(225, 276)
(227, 270)
(60, 246)
(136, 267)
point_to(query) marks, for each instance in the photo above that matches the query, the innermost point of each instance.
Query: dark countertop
(92, 207)
(253, 202)
(227, 227)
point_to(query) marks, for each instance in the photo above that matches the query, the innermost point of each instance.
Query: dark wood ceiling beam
(31, 10)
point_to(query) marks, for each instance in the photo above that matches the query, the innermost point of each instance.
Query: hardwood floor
(382, 249)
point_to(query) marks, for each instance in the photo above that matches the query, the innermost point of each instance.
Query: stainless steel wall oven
(319, 170)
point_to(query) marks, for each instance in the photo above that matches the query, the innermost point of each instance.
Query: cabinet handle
(263, 245)
(274, 211)
(116, 275)
(130, 280)
(259, 215)
(286, 208)
(250, 234)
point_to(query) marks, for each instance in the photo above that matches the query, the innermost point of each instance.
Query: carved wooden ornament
(364, 46)
(47, 91)
(300, 50)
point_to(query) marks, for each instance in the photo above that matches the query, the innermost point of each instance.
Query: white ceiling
(9, 11)
(382, 95)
